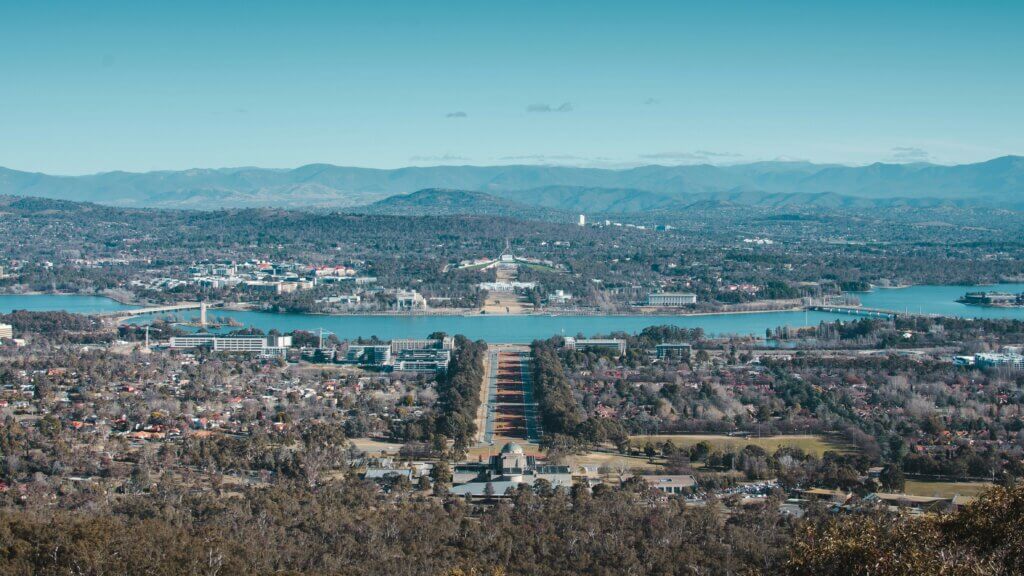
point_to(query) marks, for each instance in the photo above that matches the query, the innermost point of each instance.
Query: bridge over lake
(862, 311)
(121, 315)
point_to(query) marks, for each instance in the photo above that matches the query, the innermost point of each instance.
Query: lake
(50, 302)
(940, 300)
(523, 329)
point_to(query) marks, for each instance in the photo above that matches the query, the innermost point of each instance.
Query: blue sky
(99, 86)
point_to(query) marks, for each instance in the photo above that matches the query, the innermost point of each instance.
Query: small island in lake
(1002, 299)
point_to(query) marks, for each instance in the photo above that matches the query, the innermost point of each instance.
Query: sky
(89, 87)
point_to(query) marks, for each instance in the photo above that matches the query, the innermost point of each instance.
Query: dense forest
(350, 528)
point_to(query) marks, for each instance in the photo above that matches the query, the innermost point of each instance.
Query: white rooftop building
(671, 299)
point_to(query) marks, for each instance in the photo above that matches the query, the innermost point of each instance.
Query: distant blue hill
(998, 182)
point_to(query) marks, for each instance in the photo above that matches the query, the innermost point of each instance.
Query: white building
(584, 345)
(410, 300)
(446, 343)
(504, 472)
(671, 299)
(506, 286)
(264, 345)
(559, 297)
(583, 220)
(6, 331)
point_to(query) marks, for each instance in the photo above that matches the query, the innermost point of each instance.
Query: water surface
(522, 329)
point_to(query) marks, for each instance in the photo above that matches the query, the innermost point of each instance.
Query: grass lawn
(540, 267)
(528, 447)
(375, 447)
(810, 443)
(944, 489)
(613, 461)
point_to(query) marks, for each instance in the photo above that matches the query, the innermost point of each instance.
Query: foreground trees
(986, 537)
(350, 528)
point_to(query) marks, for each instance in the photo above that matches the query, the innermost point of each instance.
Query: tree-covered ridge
(985, 537)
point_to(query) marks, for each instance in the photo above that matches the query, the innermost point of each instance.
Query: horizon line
(611, 167)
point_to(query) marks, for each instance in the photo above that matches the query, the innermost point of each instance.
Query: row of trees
(459, 392)
(555, 401)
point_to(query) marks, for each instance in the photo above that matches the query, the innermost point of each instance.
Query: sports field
(944, 489)
(810, 443)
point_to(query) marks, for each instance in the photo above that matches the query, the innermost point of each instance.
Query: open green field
(540, 267)
(375, 447)
(485, 450)
(944, 489)
(612, 461)
(810, 443)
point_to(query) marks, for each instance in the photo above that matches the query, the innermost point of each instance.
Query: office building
(670, 350)
(1000, 360)
(597, 345)
(422, 360)
(446, 343)
(671, 299)
(368, 354)
(263, 345)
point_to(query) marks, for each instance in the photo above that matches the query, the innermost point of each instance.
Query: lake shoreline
(464, 314)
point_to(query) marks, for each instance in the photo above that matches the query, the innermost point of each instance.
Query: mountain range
(998, 182)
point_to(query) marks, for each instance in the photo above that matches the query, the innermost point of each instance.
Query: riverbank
(472, 312)
(524, 328)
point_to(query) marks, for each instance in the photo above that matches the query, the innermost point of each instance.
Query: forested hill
(435, 201)
(998, 182)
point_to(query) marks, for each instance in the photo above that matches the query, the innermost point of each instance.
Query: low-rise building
(349, 300)
(263, 345)
(446, 343)
(583, 345)
(559, 297)
(672, 350)
(671, 299)
(369, 354)
(826, 495)
(422, 360)
(999, 360)
(410, 300)
(671, 483)
(506, 286)
(6, 331)
(507, 470)
(896, 501)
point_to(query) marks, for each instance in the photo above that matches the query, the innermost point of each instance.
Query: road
(511, 410)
